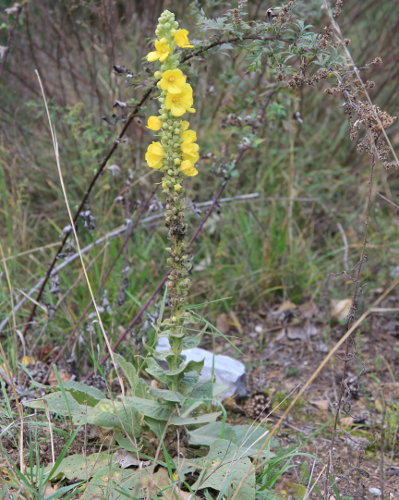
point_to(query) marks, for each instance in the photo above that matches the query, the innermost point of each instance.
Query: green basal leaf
(150, 408)
(62, 403)
(157, 426)
(116, 484)
(225, 470)
(84, 394)
(191, 341)
(167, 395)
(80, 467)
(128, 443)
(201, 391)
(117, 415)
(154, 369)
(249, 439)
(207, 434)
(191, 366)
(138, 387)
(200, 419)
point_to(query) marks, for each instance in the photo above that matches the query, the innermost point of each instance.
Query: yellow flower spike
(189, 136)
(162, 50)
(179, 103)
(181, 39)
(188, 168)
(154, 123)
(154, 155)
(172, 81)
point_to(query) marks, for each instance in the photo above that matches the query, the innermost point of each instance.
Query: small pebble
(375, 492)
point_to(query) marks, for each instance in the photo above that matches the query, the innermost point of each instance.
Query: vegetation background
(290, 230)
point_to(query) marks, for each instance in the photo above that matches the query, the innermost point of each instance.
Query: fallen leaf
(340, 308)
(321, 404)
(27, 360)
(301, 332)
(126, 459)
(49, 490)
(346, 421)
(308, 309)
(287, 305)
(223, 323)
(379, 406)
(64, 377)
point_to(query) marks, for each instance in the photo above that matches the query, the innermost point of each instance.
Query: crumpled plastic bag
(229, 372)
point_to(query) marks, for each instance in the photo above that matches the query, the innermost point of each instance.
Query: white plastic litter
(228, 372)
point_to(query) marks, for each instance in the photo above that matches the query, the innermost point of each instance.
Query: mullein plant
(175, 154)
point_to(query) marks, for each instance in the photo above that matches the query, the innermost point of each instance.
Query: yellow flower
(191, 157)
(181, 39)
(178, 187)
(184, 125)
(188, 168)
(154, 155)
(179, 103)
(154, 123)
(189, 147)
(189, 136)
(192, 110)
(162, 50)
(172, 81)
(190, 152)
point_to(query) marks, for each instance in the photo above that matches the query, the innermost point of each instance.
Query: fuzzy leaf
(117, 415)
(224, 470)
(200, 419)
(80, 467)
(166, 395)
(83, 393)
(62, 403)
(137, 385)
(150, 408)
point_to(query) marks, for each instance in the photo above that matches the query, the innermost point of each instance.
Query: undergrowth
(293, 204)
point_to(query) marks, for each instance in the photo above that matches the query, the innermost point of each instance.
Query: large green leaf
(154, 369)
(249, 439)
(150, 408)
(62, 403)
(83, 393)
(138, 387)
(117, 415)
(166, 395)
(224, 470)
(200, 419)
(81, 467)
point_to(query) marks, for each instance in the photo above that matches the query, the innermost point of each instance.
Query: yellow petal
(189, 136)
(152, 56)
(188, 168)
(173, 80)
(154, 123)
(181, 39)
(184, 124)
